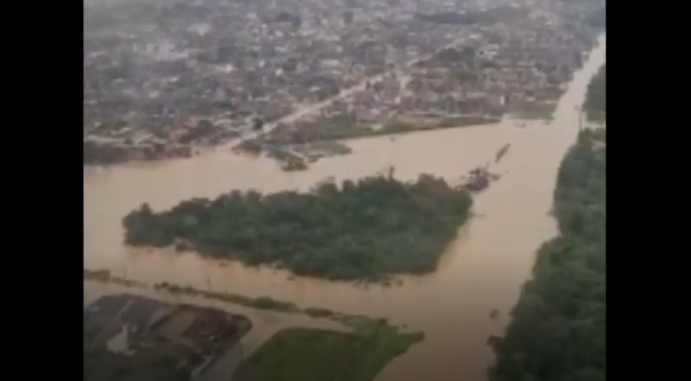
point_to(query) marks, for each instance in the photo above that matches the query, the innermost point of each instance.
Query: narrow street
(313, 108)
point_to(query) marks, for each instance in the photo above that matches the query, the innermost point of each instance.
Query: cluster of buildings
(139, 338)
(162, 77)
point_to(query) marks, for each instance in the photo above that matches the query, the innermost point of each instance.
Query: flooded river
(483, 270)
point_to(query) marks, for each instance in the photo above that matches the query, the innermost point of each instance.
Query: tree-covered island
(367, 229)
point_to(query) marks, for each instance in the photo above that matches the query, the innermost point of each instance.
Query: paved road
(313, 108)
(224, 367)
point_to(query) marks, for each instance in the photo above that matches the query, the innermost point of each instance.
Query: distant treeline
(367, 229)
(596, 96)
(558, 331)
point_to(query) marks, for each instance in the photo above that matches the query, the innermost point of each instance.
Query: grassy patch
(537, 111)
(261, 303)
(105, 276)
(469, 120)
(409, 123)
(301, 354)
(318, 312)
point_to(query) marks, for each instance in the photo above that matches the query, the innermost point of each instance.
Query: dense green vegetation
(598, 18)
(301, 354)
(596, 97)
(558, 328)
(369, 229)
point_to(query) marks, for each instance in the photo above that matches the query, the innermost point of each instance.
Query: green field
(302, 354)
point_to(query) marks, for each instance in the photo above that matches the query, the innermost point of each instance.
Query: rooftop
(132, 337)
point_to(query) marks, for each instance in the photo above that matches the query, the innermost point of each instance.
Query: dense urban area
(166, 79)
(296, 81)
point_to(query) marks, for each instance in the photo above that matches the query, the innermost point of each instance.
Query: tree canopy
(596, 96)
(367, 229)
(558, 327)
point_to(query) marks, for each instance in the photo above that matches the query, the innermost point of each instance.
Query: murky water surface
(483, 270)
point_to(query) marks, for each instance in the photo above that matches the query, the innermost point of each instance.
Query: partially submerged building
(129, 337)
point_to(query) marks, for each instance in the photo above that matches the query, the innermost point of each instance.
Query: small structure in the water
(493, 340)
(500, 154)
(478, 179)
(477, 183)
(251, 147)
(494, 314)
(294, 164)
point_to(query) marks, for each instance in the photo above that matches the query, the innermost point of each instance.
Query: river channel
(483, 270)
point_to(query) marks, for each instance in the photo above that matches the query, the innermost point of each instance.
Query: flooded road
(483, 270)
(310, 109)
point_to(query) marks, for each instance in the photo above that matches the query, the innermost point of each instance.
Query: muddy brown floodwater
(483, 270)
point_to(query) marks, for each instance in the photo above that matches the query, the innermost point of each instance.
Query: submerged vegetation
(418, 122)
(105, 276)
(301, 354)
(596, 97)
(367, 229)
(558, 328)
(260, 303)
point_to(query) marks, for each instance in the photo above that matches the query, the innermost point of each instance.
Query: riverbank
(307, 146)
(568, 283)
(595, 104)
(568, 287)
(312, 141)
(260, 303)
(399, 124)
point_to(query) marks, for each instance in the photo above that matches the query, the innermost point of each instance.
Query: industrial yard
(137, 338)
